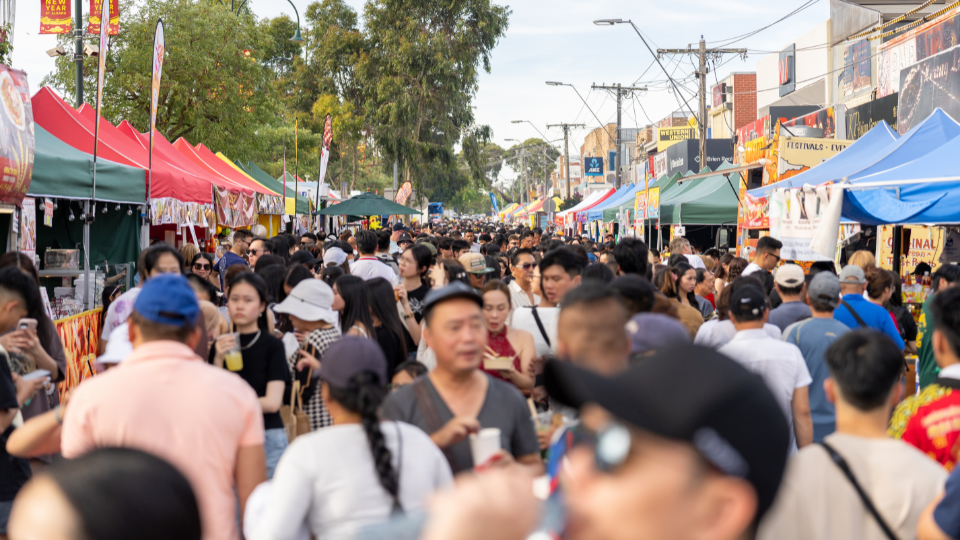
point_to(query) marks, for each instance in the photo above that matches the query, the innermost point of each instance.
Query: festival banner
(101, 70)
(16, 136)
(324, 153)
(800, 154)
(113, 16)
(794, 216)
(493, 203)
(80, 336)
(158, 48)
(403, 193)
(235, 209)
(55, 17)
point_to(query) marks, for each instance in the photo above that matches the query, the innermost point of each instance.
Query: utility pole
(566, 149)
(620, 91)
(78, 52)
(702, 51)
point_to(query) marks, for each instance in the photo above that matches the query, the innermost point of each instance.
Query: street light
(297, 38)
(607, 22)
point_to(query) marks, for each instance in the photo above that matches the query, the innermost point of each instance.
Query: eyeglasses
(611, 444)
(777, 257)
(526, 266)
(202, 267)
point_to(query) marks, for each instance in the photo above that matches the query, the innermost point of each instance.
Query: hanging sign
(55, 17)
(48, 213)
(93, 27)
(404, 193)
(653, 203)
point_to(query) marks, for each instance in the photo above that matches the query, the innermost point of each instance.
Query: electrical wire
(735, 39)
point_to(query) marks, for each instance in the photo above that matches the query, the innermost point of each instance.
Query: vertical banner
(28, 227)
(158, 48)
(493, 202)
(113, 16)
(55, 17)
(324, 154)
(104, 48)
(296, 162)
(16, 132)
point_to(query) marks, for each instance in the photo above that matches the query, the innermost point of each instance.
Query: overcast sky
(556, 40)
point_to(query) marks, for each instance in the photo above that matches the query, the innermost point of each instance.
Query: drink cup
(234, 358)
(484, 445)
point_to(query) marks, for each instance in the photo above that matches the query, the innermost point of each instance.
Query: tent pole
(87, 299)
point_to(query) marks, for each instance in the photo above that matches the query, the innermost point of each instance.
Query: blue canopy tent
(879, 141)
(626, 192)
(925, 137)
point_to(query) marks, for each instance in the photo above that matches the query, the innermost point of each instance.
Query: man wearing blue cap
(164, 399)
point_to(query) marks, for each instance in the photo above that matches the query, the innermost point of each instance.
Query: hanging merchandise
(55, 17)
(28, 228)
(48, 212)
(93, 27)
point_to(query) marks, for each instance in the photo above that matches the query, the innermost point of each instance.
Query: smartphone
(27, 324)
(37, 374)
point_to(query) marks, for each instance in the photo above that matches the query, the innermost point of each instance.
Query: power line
(735, 39)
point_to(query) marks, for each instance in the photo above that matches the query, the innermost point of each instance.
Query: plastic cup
(234, 358)
(484, 445)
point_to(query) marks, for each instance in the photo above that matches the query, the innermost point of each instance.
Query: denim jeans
(274, 443)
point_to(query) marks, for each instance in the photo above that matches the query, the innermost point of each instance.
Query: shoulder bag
(295, 421)
(842, 464)
(856, 316)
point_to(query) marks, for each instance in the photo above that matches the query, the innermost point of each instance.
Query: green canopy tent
(366, 204)
(709, 201)
(258, 174)
(665, 182)
(63, 172)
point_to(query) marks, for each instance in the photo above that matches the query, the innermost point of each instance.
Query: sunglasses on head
(202, 267)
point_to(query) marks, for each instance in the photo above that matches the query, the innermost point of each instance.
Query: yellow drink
(234, 360)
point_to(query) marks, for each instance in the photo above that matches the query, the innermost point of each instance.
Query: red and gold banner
(80, 336)
(235, 209)
(55, 17)
(93, 26)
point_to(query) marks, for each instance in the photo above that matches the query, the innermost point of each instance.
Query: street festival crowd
(465, 380)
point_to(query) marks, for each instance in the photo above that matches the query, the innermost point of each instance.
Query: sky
(556, 40)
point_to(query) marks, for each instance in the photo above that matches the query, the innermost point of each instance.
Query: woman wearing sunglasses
(202, 265)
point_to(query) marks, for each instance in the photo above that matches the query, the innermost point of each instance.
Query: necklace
(255, 338)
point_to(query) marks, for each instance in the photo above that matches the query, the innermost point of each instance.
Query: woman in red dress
(505, 342)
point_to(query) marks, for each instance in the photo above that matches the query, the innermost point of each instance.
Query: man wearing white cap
(789, 282)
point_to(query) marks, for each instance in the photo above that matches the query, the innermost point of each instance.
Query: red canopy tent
(68, 125)
(202, 156)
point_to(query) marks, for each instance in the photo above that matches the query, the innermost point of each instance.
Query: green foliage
(567, 204)
(6, 46)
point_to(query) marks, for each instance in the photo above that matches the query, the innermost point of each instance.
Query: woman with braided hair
(360, 471)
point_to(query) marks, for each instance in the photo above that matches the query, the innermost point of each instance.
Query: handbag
(295, 421)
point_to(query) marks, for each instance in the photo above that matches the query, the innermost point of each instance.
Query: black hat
(921, 269)
(696, 395)
(404, 237)
(456, 289)
(304, 257)
(748, 299)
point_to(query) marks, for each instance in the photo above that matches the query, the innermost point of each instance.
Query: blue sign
(493, 201)
(612, 159)
(435, 208)
(593, 166)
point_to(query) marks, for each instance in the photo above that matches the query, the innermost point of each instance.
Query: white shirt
(779, 363)
(695, 261)
(523, 320)
(475, 248)
(369, 267)
(118, 312)
(751, 268)
(328, 479)
(519, 298)
(716, 333)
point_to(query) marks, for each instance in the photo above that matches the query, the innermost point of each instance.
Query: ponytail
(364, 396)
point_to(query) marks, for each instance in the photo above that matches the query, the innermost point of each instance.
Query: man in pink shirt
(166, 400)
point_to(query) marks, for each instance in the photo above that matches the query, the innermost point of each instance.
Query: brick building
(733, 104)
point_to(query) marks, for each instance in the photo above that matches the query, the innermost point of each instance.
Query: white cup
(484, 445)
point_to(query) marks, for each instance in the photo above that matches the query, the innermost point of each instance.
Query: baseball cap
(334, 255)
(118, 348)
(475, 263)
(748, 299)
(430, 246)
(351, 355)
(168, 299)
(310, 300)
(304, 257)
(400, 227)
(692, 394)
(852, 274)
(789, 275)
(404, 237)
(825, 287)
(456, 289)
(655, 331)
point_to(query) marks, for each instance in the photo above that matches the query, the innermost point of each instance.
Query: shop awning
(366, 204)
(599, 211)
(605, 197)
(586, 202)
(303, 205)
(510, 208)
(66, 124)
(63, 172)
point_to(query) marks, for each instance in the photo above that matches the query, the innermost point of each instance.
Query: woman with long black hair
(389, 330)
(360, 471)
(414, 268)
(351, 300)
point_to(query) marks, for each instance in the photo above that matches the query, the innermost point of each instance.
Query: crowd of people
(466, 380)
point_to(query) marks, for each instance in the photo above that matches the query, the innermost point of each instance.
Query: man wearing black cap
(780, 364)
(457, 399)
(687, 444)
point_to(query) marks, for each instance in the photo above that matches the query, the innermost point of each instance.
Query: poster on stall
(926, 245)
(755, 213)
(80, 336)
(93, 26)
(55, 17)
(48, 213)
(28, 228)
(794, 216)
(653, 203)
(16, 136)
(235, 209)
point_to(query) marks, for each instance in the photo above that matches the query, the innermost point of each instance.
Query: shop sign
(593, 166)
(234, 209)
(787, 69)
(16, 136)
(653, 203)
(659, 165)
(55, 17)
(667, 137)
(800, 154)
(926, 245)
(918, 44)
(719, 94)
(863, 118)
(855, 76)
(831, 121)
(640, 204)
(753, 130)
(926, 85)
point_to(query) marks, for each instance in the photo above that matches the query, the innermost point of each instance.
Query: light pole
(603, 126)
(297, 38)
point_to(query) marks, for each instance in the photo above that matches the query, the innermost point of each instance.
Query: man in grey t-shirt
(789, 283)
(457, 399)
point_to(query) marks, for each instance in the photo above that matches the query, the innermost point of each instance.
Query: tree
(419, 72)
(211, 91)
